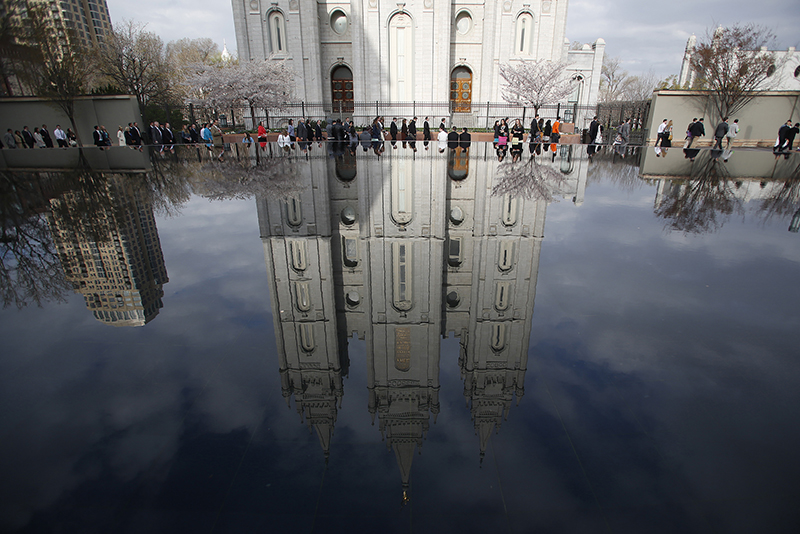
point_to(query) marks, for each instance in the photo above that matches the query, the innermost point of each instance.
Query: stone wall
(758, 121)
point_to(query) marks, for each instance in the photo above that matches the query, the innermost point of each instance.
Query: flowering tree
(254, 84)
(528, 179)
(535, 83)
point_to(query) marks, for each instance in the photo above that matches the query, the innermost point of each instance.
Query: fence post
(524, 109)
(266, 112)
(558, 110)
(575, 114)
(487, 115)
(340, 110)
(303, 108)
(376, 109)
(414, 109)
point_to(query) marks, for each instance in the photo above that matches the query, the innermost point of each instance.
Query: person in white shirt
(61, 137)
(38, 140)
(284, 141)
(731, 135)
(442, 138)
(121, 136)
(661, 128)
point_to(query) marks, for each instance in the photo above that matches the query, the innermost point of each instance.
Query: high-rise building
(112, 258)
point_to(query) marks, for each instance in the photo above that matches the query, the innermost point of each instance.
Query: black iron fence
(480, 116)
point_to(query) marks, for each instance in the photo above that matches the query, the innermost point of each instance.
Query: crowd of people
(542, 135)
(39, 138)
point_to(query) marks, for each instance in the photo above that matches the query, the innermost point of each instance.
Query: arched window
(277, 32)
(401, 58)
(523, 42)
(342, 88)
(461, 90)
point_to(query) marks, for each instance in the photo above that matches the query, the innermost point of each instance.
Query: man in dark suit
(393, 132)
(155, 133)
(465, 139)
(97, 135)
(27, 136)
(452, 139)
(783, 136)
(48, 142)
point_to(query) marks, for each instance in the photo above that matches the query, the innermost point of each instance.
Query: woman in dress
(496, 132)
(426, 131)
(38, 140)
(121, 136)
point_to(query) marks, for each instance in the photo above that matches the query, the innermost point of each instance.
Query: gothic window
(294, 212)
(506, 260)
(402, 191)
(523, 42)
(498, 337)
(277, 32)
(297, 250)
(502, 297)
(307, 337)
(401, 58)
(509, 215)
(302, 293)
(401, 274)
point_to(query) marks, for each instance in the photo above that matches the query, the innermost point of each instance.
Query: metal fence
(481, 115)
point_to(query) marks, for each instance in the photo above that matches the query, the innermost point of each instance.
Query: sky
(643, 35)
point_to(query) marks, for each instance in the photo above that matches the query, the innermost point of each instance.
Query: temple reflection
(404, 250)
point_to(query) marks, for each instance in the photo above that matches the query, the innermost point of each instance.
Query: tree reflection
(527, 179)
(703, 203)
(30, 269)
(273, 178)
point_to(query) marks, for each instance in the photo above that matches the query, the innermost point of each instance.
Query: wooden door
(461, 90)
(342, 89)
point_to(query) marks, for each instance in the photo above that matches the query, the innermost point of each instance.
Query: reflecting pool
(353, 339)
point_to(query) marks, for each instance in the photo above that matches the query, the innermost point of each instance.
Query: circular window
(771, 70)
(452, 299)
(348, 216)
(463, 22)
(352, 298)
(456, 215)
(339, 21)
(797, 71)
(253, 5)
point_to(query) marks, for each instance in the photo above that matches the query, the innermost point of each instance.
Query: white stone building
(413, 51)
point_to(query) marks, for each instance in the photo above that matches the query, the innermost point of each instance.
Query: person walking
(38, 142)
(732, 132)
(595, 136)
(517, 134)
(791, 135)
(121, 136)
(48, 141)
(412, 129)
(27, 136)
(426, 130)
(536, 132)
(720, 132)
(61, 136)
(8, 139)
(783, 134)
(660, 136)
(393, 131)
(404, 131)
(696, 130)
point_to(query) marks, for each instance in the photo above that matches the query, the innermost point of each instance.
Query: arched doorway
(342, 88)
(461, 90)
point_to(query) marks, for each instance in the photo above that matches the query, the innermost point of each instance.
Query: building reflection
(400, 251)
(105, 232)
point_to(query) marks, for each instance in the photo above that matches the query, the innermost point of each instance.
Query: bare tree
(731, 64)
(535, 83)
(614, 81)
(255, 84)
(135, 61)
(642, 87)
